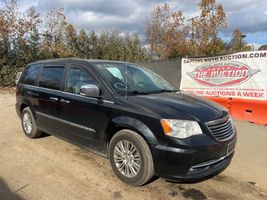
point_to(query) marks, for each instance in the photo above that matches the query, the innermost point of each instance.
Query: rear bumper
(192, 164)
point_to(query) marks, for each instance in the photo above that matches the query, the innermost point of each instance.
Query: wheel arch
(124, 122)
(22, 106)
(25, 104)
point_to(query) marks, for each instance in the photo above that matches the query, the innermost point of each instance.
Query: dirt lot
(49, 168)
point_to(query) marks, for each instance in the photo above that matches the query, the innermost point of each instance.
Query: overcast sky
(250, 16)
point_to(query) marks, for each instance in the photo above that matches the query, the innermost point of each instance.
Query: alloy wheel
(27, 122)
(127, 158)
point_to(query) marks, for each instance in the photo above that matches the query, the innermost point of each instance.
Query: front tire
(130, 158)
(28, 124)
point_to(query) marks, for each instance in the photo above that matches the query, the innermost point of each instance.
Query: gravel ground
(49, 168)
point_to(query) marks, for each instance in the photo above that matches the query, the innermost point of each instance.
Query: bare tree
(237, 42)
(166, 32)
(212, 19)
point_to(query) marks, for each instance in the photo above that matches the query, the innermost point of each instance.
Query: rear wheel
(130, 158)
(29, 124)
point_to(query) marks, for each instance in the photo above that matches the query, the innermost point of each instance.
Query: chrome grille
(222, 129)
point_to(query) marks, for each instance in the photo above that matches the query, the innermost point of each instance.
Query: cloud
(98, 21)
(246, 15)
(126, 16)
(130, 16)
(109, 8)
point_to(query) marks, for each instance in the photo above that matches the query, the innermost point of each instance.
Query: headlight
(180, 128)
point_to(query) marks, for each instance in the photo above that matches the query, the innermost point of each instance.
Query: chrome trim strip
(210, 162)
(68, 93)
(107, 101)
(67, 122)
(218, 121)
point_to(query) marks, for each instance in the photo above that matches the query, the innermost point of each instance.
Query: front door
(81, 115)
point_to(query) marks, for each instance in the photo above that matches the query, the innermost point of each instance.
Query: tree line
(27, 36)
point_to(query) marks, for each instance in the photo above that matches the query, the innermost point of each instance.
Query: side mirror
(90, 90)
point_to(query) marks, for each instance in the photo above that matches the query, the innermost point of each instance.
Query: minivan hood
(179, 105)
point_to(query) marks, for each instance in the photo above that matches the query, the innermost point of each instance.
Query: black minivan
(129, 114)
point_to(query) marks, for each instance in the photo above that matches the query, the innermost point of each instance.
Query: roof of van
(76, 59)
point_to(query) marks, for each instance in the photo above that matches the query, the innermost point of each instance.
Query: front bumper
(208, 168)
(191, 164)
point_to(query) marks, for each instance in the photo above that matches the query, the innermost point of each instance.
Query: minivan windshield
(127, 78)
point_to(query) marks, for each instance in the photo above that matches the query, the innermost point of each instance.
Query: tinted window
(31, 74)
(77, 78)
(51, 77)
(133, 79)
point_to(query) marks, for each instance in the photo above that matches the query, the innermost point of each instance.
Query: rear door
(50, 85)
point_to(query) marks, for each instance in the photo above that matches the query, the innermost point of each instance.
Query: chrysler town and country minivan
(128, 114)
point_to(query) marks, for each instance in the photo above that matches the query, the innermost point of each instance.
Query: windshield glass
(132, 79)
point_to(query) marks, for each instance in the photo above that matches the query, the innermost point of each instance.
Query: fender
(29, 104)
(138, 125)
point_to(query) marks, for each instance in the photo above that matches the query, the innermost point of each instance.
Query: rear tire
(28, 124)
(130, 158)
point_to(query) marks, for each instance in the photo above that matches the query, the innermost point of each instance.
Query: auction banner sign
(239, 75)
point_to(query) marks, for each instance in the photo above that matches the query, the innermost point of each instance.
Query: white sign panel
(239, 75)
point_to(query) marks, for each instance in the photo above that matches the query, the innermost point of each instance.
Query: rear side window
(31, 74)
(51, 77)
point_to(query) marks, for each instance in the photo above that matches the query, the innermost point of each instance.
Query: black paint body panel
(91, 122)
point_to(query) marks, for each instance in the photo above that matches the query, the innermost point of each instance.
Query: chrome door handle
(53, 98)
(64, 101)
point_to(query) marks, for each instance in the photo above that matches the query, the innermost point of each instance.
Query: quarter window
(31, 74)
(77, 78)
(52, 77)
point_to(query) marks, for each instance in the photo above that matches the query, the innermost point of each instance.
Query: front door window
(77, 78)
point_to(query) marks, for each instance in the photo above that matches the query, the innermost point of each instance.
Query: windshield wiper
(138, 92)
(163, 90)
(151, 92)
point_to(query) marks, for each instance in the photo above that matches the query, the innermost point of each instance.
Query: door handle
(53, 98)
(64, 101)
